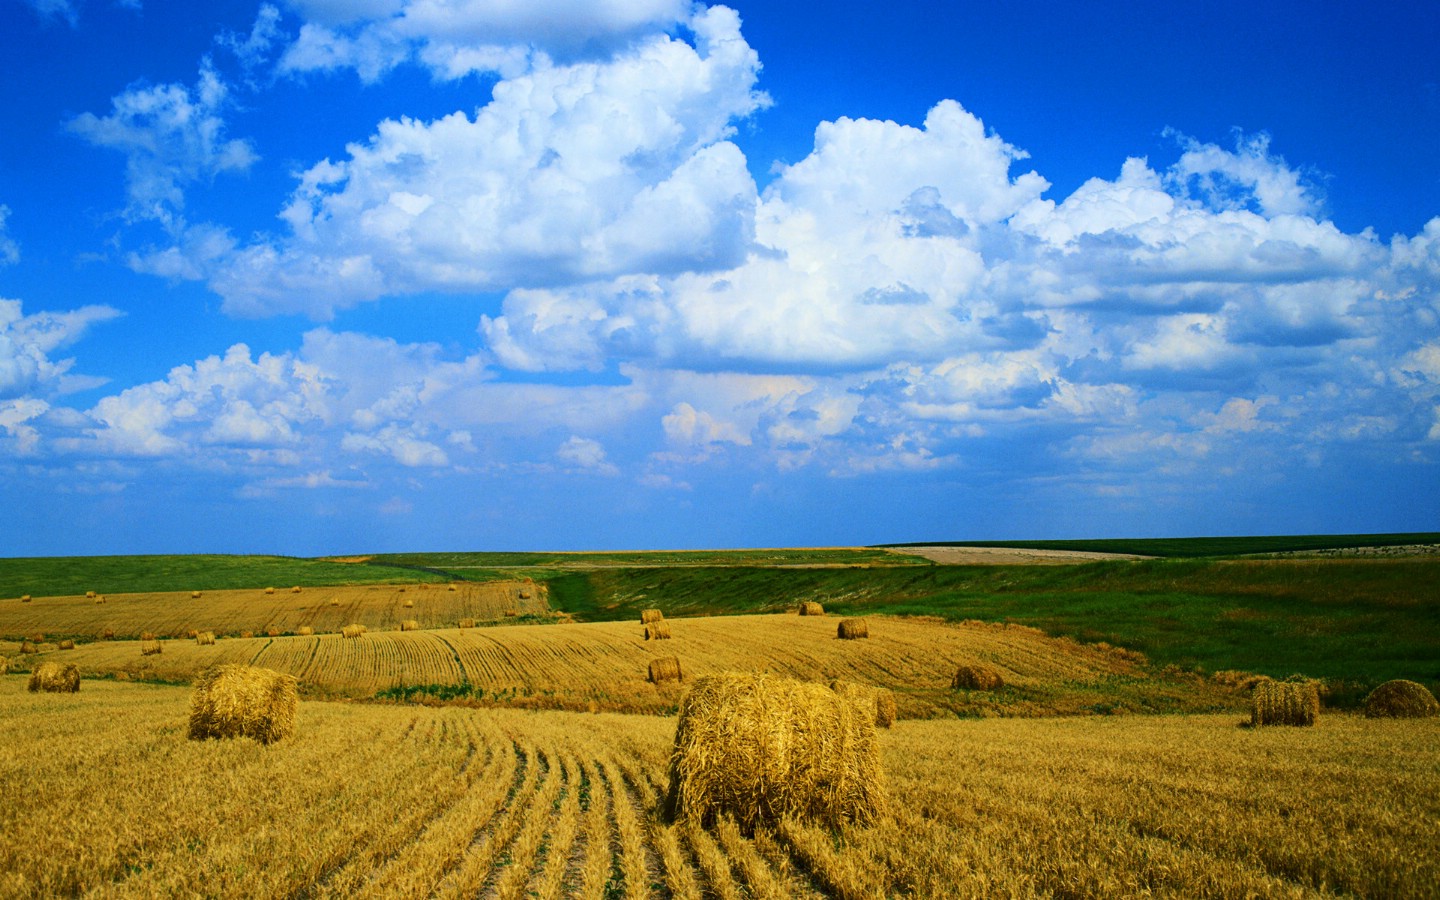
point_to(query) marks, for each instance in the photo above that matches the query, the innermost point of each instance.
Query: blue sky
(324, 276)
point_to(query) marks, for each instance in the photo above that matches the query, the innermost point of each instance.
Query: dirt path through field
(1009, 556)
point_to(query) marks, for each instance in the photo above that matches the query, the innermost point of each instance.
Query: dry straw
(1294, 702)
(4, 666)
(657, 631)
(651, 615)
(205, 638)
(269, 590)
(107, 633)
(450, 587)
(56, 678)
(243, 701)
(305, 631)
(409, 625)
(524, 594)
(879, 700)
(1401, 699)
(27, 647)
(194, 595)
(665, 668)
(272, 631)
(977, 678)
(467, 623)
(67, 644)
(409, 604)
(334, 601)
(150, 648)
(760, 748)
(147, 635)
(295, 589)
(89, 595)
(353, 631)
(853, 629)
(100, 599)
(37, 638)
(25, 598)
(811, 608)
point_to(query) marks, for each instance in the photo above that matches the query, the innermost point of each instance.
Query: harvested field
(386, 801)
(173, 614)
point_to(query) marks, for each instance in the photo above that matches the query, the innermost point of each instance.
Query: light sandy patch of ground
(1009, 556)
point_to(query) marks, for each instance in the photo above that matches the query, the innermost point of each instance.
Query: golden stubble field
(102, 795)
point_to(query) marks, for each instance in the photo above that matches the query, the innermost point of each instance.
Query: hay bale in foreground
(67, 644)
(657, 631)
(1285, 703)
(852, 629)
(651, 615)
(205, 638)
(879, 700)
(665, 668)
(1401, 699)
(977, 678)
(243, 701)
(761, 747)
(56, 678)
(409, 625)
(811, 608)
(352, 631)
(150, 648)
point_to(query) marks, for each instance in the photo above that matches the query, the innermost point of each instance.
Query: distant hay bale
(147, 635)
(150, 648)
(272, 631)
(334, 601)
(977, 678)
(352, 631)
(761, 748)
(205, 639)
(409, 625)
(853, 629)
(89, 595)
(269, 590)
(25, 598)
(37, 638)
(106, 634)
(651, 615)
(305, 631)
(524, 594)
(409, 604)
(194, 595)
(879, 700)
(450, 587)
(27, 647)
(100, 599)
(402, 589)
(247, 634)
(467, 623)
(4, 666)
(295, 589)
(1401, 699)
(1284, 703)
(811, 608)
(657, 631)
(511, 613)
(192, 633)
(243, 701)
(67, 644)
(1234, 678)
(55, 678)
(665, 668)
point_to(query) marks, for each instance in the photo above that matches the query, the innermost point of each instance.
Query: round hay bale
(100, 599)
(402, 589)
(651, 615)
(243, 701)
(409, 604)
(272, 631)
(106, 634)
(761, 747)
(524, 594)
(147, 635)
(247, 634)
(67, 644)
(977, 678)
(853, 629)
(409, 625)
(352, 630)
(334, 601)
(150, 648)
(1284, 703)
(880, 701)
(36, 638)
(657, 631)
(305, 631)
(295, 589)
(27, 647)
(89, 595)
(194, 595)
(467, 623)
(25, 598)
(1401, 699)
(811, 608)
(511, 613)
(665, 668)
(4, 666)
(55, 678)
(450, 587)
(269, 590)
(205, 638)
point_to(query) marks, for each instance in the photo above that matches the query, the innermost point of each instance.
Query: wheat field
(584, 666)
(102, 795)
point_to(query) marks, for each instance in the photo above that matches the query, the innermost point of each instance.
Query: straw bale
(878, 700)
(4, 666)
(409, 625)
(56, 678)
(450, 587)
(205, 638)
(651, 615)
(467, 623)
(353, 630)
(1401, 699)
(811, 608)
(37, 638)
(1284, 703)
(402, 588)
(665, 668)
(147, 635)
(524, 594)
(107, 633)
(409, 604)
(272, 631)
(334, 601)
(150, 648)
(194, 595)
(192, 633)
(100, 599)
(295, 589)
(89, 595)
(305, 631)
(67, 644)
(978, 677)
(25, 598)
(269, 590)
(247, 634)
(761, 747)
(853, 629)
(657, 631)
(243, 701)
(511, 613)
(27, 647)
